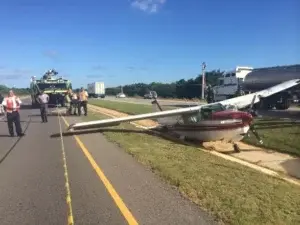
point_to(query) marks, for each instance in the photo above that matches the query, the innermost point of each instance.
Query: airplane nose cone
(246, 117)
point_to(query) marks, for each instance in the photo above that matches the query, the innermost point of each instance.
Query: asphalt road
(106, 185)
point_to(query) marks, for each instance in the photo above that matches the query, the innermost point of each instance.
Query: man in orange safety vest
(12, 107)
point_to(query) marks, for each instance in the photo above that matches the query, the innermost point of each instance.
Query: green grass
(129, 108)
(277, 135)
(232, 193)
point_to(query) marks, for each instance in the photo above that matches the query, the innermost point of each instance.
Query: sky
(127, 41)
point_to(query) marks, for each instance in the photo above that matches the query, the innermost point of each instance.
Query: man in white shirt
(43, 99)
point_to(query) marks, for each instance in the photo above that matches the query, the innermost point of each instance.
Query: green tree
(179, 89)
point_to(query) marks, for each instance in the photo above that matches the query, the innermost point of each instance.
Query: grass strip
(230, 192)
(125, 107)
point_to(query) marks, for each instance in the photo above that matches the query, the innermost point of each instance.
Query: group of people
(76, 101)
(12, 103)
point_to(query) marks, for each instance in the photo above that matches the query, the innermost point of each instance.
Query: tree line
(190, 88)
(18, 91)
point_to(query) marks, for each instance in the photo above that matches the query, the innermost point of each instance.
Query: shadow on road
(151, 132)
(29, 107)
(5, 121)
(5, 135)
(53, 114)
(26, 107)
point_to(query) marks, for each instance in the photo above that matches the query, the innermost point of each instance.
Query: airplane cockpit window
(231, 107)
(213, 107)
(205, 113)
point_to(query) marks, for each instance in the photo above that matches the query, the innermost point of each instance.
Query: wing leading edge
(239, 102)
(116, 121)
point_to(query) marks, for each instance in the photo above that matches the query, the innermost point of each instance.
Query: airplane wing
(117, 121)
(239, 102)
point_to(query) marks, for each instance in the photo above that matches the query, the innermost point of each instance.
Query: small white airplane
(210, 122)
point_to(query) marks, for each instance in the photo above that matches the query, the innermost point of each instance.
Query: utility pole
(203, 80)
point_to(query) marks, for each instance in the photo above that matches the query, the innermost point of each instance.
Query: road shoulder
(149, 199)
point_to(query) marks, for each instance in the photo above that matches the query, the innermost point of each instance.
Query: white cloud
(151, 6)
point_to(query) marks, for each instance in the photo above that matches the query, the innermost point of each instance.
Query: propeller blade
(253, 130)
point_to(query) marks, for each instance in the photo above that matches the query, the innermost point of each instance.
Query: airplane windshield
(214, 107)
(231, 107)
(205, 113)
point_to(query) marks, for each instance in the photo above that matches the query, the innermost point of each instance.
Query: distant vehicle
(150, 95)
(96, 90)
(121, 95)
(248, 80)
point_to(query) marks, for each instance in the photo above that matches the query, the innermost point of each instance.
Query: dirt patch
(146, 123)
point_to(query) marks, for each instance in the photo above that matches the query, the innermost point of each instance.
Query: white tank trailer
(251, 80)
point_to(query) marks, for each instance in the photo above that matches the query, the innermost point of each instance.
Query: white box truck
(96, 90)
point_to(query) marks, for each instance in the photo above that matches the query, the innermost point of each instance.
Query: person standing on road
(74, 103)
(12, 106)
(83, 99)
(43, 99)
(68, 102)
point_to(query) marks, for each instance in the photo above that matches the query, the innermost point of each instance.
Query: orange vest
(12, 104)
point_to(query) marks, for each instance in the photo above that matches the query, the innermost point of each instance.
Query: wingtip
(70, 126)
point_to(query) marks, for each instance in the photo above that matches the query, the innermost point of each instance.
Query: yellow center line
(117, 199)
(67, 184)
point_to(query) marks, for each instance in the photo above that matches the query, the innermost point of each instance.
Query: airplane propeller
(253, 112)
